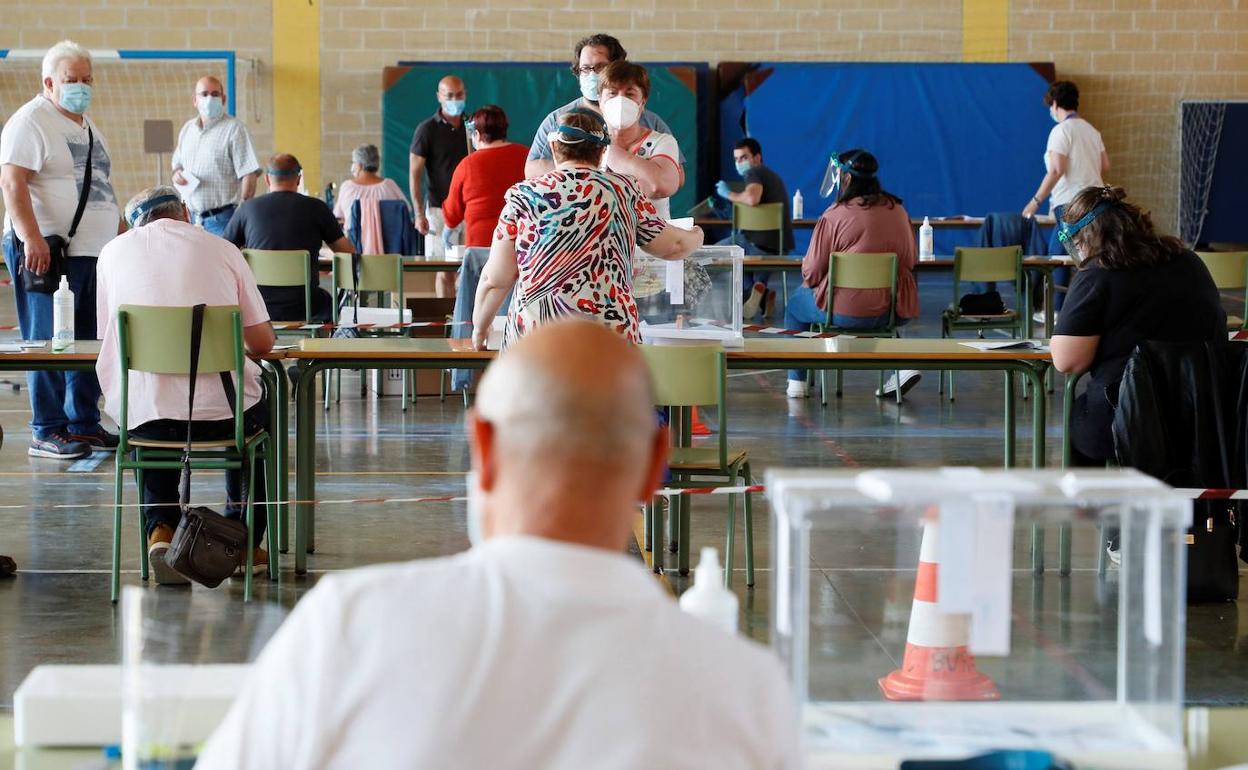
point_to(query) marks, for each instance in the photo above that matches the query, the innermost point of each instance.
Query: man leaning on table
(523, 651)
(44, 153)
(214, 164)
(166, 260)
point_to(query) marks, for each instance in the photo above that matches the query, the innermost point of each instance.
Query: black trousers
(160, 487)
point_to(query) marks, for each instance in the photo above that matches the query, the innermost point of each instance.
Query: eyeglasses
(596, 69)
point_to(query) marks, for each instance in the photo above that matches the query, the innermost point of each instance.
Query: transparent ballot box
(697, 298)
(913, 626)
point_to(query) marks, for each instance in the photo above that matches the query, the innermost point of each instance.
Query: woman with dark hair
(565, 240)
(1074, 159)
(475, 196)
(867, 220)
(1132, 284)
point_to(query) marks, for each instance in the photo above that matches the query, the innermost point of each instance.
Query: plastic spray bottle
(62, 316)
(708, 599)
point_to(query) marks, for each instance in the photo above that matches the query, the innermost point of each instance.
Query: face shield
(832, 177)
(1068, 231)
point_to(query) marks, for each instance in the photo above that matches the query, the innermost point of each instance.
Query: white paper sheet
(675, 281)
(976, 566)
(192, 184)
(1004, 345)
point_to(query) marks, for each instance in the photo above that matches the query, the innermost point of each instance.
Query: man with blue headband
(285, 219)
(166, 260)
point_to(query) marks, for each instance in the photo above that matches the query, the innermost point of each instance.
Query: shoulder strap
(197, 333)
(356, 267)
(86, 185)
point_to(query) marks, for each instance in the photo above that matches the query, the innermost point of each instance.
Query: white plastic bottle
(798, 205)
(708, 599)
(62, 316)
(926, 250)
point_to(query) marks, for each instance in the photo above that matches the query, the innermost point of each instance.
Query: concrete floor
(56, 610)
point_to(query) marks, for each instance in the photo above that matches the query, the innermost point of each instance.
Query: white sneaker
(909, 378)
(1038, 317)
(798, 389)
(1115, 555)
(755, 302)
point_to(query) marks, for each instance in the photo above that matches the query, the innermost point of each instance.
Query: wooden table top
(88, 350)
(398, 348)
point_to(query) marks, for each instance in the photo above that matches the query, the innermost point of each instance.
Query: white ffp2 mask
(620, 112)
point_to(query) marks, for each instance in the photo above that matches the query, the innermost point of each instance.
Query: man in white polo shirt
(165, 260)
(523, 652)
(43, 172)
(214, 164)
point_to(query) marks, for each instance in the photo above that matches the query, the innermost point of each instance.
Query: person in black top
(439, 143)
(1132, 285)
(285, 219)
(762, 185)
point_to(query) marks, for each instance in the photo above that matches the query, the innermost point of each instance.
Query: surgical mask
(590, 85)
(476, 534)
(75, 97)
(210, 107)
(743, 166)
(453, 107)
(621, 112)
(1053, 114)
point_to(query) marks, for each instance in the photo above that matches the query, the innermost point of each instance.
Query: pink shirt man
(172, 263)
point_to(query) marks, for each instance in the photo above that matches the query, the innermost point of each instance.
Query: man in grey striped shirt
(214, 164)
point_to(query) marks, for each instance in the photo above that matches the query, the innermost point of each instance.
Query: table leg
(305, 461)
(1009, 419)
(278, 416)
(1036, 377)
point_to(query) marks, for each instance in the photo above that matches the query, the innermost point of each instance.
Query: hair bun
(1113, 194)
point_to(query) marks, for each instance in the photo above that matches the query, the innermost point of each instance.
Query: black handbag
(48, 281)
(1212, 567)
(207, 547)
(988, 303)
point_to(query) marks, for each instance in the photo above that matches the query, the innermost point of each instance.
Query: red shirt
(477, 188)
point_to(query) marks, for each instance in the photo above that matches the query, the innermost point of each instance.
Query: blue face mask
(589, 82)
(75, 97)
(453, 107)
(210, 107)
(742, 167)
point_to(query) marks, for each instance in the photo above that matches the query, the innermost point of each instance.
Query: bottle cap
(708, 571)
(64, 282)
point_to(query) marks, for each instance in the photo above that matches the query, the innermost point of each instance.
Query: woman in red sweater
(481, 179)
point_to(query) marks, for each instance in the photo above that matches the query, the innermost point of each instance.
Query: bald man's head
(209, 85)
(568, 414)
(451, 87)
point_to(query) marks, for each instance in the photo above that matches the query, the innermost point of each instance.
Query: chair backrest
(690, 375)
(273, 267)
(863, 271)
(1228, 268)
(157, 339)
(378, 272)
(761, 218)
(985, 264)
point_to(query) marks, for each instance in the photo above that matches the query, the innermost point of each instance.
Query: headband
(149, 204)
(847, 168)
(573, 135)
(280, 172)
(1066, 231)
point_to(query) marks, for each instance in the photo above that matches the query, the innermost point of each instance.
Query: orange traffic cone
(698, 428)
(937, 664)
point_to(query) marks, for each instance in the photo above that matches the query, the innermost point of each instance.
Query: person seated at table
(522, 652)
(762, 186)
(365, 185)
(480, 180)
(1132, 284)
(863, 219)
(566, 239)
(649, 156)
(165, 260)
(285, 219)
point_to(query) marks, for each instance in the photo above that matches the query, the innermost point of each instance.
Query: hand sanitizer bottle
(926, 249)
(62, 316)
(708, 599)
(798, 205)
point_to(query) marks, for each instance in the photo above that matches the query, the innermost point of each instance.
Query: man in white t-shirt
(43, 163)
(524, 651)
(651, 157)
(165, 260)
(1074, 158)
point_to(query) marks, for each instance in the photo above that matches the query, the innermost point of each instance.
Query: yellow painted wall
(297, 84)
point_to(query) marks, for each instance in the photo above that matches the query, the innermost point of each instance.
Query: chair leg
(647, 525)
(442, 385)
(749, 528)
(249, 547)
(115, 577)
(823, 387)
(403, 398)
(337, 386)
(839, 382)
(144, 567)
(730, 545)
(327, 381)
(656, 537)
(272, 512)
(682, 556)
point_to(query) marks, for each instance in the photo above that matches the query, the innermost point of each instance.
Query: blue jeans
(801, 311)
(1061, 275)
(60, 401)
(216, 223)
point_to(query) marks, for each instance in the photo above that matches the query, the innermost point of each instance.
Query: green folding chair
(765, 217)
(158, 340)
(285, 268)
(1230, 271)
(381, 274)
(860, 271)
(983, 265)
(686, 376)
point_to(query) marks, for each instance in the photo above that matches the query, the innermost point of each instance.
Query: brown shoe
(157, 545)
(259, 563)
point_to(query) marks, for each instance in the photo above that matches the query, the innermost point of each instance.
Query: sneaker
(1115, 555)
(99, 441)
(755, 302)
(797, 389)
(58, 446)
(259, 563)
(909, 378)
(157, 546)
(1038, 317)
